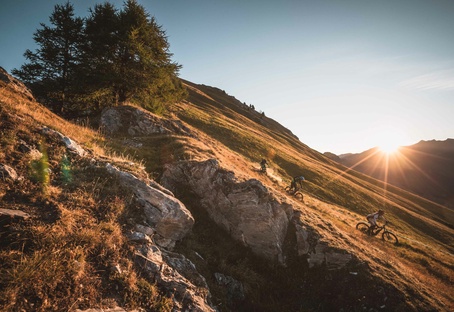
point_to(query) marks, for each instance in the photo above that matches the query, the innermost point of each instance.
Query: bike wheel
(363, 227)
(390, 237)
(299, 196)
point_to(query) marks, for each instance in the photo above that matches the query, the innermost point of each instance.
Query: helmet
(381, 211)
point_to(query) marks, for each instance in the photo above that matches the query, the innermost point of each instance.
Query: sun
(389, 147)
(389, 138)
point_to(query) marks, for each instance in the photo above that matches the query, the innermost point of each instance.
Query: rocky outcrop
(7, 172)
(250, 213)
(246, 210)
(306, 237)
(160, 220)
(71, 145)
(134, 122)
(166, 215)
(176, 274)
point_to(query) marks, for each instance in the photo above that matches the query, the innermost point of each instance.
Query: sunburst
(389, 148)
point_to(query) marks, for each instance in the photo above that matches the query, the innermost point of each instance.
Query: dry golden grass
(30, 111)
(62, 258)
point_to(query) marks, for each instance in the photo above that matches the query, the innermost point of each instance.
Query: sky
(343, 76)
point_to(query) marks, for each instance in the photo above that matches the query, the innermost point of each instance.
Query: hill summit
(134, 211)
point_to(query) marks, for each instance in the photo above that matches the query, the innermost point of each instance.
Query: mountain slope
(425, 168)
(334, 192)
(413, 276)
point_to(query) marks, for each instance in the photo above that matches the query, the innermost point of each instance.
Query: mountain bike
(263, 169)
(295, 192)
(386, 235)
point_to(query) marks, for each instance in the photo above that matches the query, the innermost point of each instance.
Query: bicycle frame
(377, 230)
(386, 235)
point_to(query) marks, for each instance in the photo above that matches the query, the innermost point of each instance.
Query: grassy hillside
(61, 257)
(415, 275)
(336, 197)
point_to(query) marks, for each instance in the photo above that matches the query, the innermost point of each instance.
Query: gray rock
(165, 214)
(246, 210)
(8, 173)
(138, 237)
(317, 252)
(134, 122)
(13, 214)
(250, 213)
(185, 267)
(186, 295)
(70, 144)
(144, 229)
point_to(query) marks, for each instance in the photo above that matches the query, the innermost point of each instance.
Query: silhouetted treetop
(110, 57)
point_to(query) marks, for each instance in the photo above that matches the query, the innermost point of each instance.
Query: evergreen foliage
(109, 58)
(50, 71)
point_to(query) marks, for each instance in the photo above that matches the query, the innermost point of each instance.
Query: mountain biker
(297, 181)
(373, 217)
(263, 165)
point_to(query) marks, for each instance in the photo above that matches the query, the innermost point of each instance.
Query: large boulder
(165, 214)
(251, 214)
(246, 210)
(177, 275)
(133, 121)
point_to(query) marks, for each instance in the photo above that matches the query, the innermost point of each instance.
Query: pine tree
(99, 57)
(51, 67)
(109, 58)
(144, 59)
(127, 58)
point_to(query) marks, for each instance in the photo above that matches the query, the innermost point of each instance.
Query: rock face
(132, 121)
(178, 275)
(246, 210)
(165, 214)
(250, 213)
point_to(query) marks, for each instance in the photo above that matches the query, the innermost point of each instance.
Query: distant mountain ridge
(425, 168)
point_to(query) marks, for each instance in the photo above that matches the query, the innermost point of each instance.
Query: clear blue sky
(344, 76)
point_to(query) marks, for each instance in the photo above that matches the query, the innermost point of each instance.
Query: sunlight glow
(389, 147)
(389, 138)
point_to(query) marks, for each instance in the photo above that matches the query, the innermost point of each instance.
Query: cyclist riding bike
(373, 217)
(296, 184)
(263, 165)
